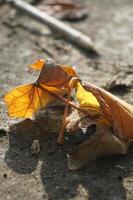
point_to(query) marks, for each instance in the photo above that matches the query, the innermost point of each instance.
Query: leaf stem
(61, 98)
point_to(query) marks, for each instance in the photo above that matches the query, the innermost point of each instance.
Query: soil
(22, 41)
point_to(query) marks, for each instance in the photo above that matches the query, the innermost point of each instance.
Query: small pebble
(2, 132)
(5, 175)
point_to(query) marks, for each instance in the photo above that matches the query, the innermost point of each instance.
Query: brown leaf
(67, 10)
(102, 143)
(112, 117)
(116, 111)
(55, 75)
(110, 138)
(53, 80)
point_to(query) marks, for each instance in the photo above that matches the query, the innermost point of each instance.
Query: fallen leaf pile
(111, 116)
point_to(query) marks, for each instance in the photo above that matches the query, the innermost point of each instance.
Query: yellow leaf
(25, 100)
(116, 111)
(112, 137)
(86, 98)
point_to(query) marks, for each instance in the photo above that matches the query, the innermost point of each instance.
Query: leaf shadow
(18, 156)
(100, 179)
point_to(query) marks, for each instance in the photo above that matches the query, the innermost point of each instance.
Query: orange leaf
(56, 75)
(38, 64)
(108, 138)
(25, 100)
(53, 74)
(116, 111)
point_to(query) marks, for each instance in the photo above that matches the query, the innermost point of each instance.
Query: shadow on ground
(101, 179)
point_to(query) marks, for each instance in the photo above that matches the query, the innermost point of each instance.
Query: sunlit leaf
(85, 97)
(25, 100)
(116, 111)
(56, 75)
(109, 138)
(38, 64)
(112, 117)
(52, 74)
(88, 101)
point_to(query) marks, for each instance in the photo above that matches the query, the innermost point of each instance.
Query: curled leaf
(116, 111)
(109, 138)
(53, 80)
(87, 100)
(112, 117)
(55, 75)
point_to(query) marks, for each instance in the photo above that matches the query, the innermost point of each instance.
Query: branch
(69, 33)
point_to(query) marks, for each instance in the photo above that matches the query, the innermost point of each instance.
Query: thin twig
(70, 87)
(61, 98)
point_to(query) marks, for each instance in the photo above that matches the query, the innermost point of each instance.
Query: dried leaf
(86, 98)
(116, 111)
(49, 68)
(56, 75)
(89, 102)
(53, 80)
(67, 10)
(109, 139)
(102, 143)
(38, 65)
(26, 100)
(112, 117)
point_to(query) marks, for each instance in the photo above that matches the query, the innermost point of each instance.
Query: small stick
(60, 139)
(61, 98)
(68, 32)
